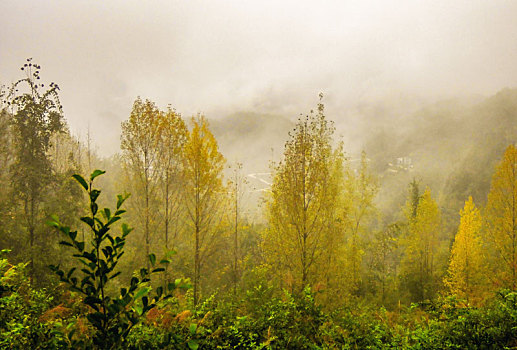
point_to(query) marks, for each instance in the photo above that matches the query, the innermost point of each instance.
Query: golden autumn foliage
(204, 194)
(301, 239)
(139, 144)
(501, 218)
(358, 209)
(418, 264)
(467, 268)
(172, 135)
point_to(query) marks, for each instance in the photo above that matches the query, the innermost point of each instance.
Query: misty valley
(258, 231)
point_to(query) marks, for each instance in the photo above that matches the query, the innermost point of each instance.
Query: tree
(360, 190)
(467, 273)
(236, 185)
(501, 216)
(204, 194)
(420, 245)
(172, 135)
(384, 259)
(6, 160)
(36, 116)
(139, 144)
(302, 205)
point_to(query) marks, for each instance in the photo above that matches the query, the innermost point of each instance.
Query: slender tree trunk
(29, 212)
(166, 223)
(196, 268)
(236, 242)
(304, 218)
(147, 226)
(514, 229)
(197, 243)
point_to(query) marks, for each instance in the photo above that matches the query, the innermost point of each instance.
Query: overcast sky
(217, 57)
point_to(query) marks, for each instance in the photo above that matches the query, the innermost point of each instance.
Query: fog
(376, 58)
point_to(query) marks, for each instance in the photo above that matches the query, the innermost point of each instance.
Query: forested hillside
(172, 243)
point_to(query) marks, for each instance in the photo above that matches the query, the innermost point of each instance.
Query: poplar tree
(303, 201)
(139, 144)
(172, 135)
(204, 195)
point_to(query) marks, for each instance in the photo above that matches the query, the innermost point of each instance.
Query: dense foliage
(337, 260)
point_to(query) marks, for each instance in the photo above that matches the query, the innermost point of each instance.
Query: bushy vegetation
(41, 319)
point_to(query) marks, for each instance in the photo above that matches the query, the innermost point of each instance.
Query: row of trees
(176, 176)
(322, 228)
(484, 253)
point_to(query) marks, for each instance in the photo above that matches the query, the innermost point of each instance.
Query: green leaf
(94, 194)
(68, 244)
(70, 272)
(121, 199)
(141, 292)
(80, 246)
(96, 173)
(113, 220)
(88, 220)
(115, 275)
(126, 229)
(192, 328)
(52, 223)
(81, 180)
(152, 258)
(192, 344)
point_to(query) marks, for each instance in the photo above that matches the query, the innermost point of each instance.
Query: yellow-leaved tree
(141, 156)
(204, 195)
(466, 275)
(418, 265)
(359, 209)
(301, 209)
(501, 217)
(171, 140)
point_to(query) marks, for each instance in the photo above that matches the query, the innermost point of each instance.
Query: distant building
(400, 164)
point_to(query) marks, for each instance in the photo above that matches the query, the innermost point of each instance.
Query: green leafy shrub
(112, 317)
(21, 308)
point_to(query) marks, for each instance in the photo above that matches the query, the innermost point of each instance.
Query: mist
(275, 174)
(219, 58)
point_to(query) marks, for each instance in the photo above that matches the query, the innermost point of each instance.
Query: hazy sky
(268, 56)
